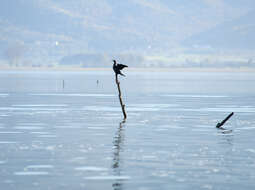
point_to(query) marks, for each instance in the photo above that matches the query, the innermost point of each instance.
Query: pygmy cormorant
(117, 67)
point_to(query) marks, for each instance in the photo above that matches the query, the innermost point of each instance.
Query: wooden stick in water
(121, 103)
(225, 120)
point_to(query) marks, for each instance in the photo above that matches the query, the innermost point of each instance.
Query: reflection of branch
(121, 103)
(118, 145)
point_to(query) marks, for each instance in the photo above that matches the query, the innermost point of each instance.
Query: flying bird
(117, 67)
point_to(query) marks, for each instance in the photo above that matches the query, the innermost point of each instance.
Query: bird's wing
(121, 66)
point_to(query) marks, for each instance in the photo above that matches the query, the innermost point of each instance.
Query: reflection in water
(227, 135)
(118, 147)
(227, 138)
(226, 151)
(224, 130)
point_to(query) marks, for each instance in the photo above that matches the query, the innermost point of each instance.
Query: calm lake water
(63, 130)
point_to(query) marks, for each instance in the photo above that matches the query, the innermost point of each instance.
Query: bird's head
(114, 61)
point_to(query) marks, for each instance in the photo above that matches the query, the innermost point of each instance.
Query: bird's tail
(122, 74)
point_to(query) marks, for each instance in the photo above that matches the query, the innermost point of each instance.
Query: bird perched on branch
(117, 67)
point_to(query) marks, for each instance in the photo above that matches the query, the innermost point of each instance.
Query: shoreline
(77, 69)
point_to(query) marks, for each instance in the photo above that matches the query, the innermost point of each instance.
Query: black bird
(117, 67)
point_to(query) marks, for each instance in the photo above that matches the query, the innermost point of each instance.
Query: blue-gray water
(68, 136)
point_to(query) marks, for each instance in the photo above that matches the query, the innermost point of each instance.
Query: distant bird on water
(117, 67)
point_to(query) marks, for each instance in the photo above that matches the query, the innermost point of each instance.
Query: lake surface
(63, 130)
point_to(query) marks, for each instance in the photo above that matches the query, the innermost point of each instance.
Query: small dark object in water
(117, 67)
(224, 121)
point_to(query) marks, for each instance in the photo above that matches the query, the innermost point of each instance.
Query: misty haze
(147, 33)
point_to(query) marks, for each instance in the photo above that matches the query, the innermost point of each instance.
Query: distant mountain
(235, 34)
(50, 30)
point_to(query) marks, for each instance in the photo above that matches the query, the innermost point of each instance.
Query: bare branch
(121, 103)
